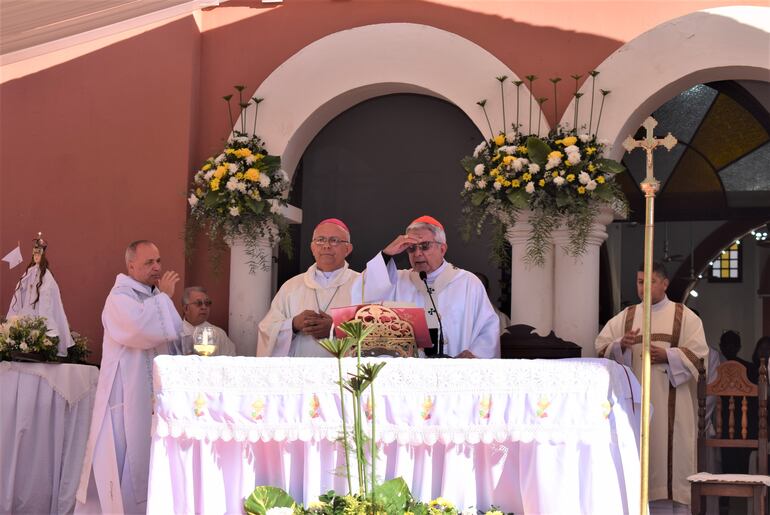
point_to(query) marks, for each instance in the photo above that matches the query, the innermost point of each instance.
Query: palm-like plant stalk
(555, 81)
(257, 101)
(531, 79)
(577, 100)
(540, 102)
(518, 84)
(593, 74)
(227, 98)
(604, 93)
(502, 80)
(483, 104)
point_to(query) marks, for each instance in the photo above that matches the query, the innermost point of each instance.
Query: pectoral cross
(650, 186)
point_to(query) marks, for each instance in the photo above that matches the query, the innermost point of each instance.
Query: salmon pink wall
(97, 151)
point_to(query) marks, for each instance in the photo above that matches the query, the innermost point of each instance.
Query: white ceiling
(28, 23)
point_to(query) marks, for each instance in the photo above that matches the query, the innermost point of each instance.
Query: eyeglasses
(323, 240)
(423, 246)
(200, 303)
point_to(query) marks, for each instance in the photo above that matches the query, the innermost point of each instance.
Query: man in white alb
(677, 345)
(140, 322)
(471, 329)
(196, 306)
(299, 314)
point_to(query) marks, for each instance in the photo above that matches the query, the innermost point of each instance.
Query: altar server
(37, 294)
(196, 308)
(677, 345)
(471, 329)
(140, 322)
(299, 314)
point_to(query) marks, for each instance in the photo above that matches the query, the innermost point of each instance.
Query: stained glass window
(727, 266)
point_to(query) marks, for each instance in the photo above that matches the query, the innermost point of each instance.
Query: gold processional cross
(650, 187)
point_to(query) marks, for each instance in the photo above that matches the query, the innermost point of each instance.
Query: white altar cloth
(45, 412)
(542, 436)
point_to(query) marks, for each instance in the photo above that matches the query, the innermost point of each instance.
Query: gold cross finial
(650, 184)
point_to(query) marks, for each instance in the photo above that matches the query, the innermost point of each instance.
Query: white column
(576, 286)
(250, 293)
(531, 285)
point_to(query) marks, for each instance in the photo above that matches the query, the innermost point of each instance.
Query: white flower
(558, 180)
(553, 162)
(470, 511)
(585, 138)
(235, 211)
(497, 186)
(250, 159)
(193, 200)
(241, 139)
(232, 184)
(219, 158)
(24, 347)
(232, 167)
(468, 185)
(264, 180)
(283, 175)
(591, 185)
(47, 342)
(209, 175)
(479, 148)
(519, 163)
(530, 188)
(584, 178)
(241, 186)
(511, 137)
(573, 158)
(534, 168)
(571, 149)
(482, 184)
(478, 169)
(280, 511)
(508, 149)
(274, 206)
(605, 142)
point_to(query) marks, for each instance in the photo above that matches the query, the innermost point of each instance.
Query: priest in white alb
(471, 328)
(299, 314)
(677, 345)
(196, 308)
(140, 322)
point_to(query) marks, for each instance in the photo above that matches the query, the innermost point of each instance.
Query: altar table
(528, 436)
(45, 413)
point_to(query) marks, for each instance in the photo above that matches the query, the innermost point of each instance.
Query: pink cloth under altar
(540, 436)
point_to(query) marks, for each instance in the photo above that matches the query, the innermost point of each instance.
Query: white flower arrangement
(27, 335)
(237, 195)
(560, 177)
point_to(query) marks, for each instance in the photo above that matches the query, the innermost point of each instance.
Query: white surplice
(673, 389)
(139, 323)
(225, 346)
(314, 290)
(468, 318)
(48, 305)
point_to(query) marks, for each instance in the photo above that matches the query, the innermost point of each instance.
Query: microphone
(440, 354)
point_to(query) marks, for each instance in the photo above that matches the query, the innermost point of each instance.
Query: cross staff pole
(650, 187)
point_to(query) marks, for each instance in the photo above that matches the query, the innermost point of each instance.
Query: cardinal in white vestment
(140, 322)
(196, 306)
(299, 314)
(471, 328)
(677, 345)
(37, 294)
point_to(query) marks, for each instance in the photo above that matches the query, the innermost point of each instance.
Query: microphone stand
(440, 353)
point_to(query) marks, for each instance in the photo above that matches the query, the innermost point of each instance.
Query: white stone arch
(343, 69)
(727, 43)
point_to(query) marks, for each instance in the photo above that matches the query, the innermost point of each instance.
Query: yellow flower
(521, 149)
(214, 184)
(206, 167)
(600, 179)
(258, 156)
(541, 182)
(591, 167)
(555, 153)
(500, 179)
(494, 172)
(515, 183)
(198, 192)
(581, 189)
(506, 183)
(220, 171)
(243, 152)
(499, 139)
(590, 150)
(527, 176)
(229, 151)
(571, 177)
(567, 163)
(554, 174)
(239, 176)
(494, 512)
(252, 174)
(569, 140)
(508, 160)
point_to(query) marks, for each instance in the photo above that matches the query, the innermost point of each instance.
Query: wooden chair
(731, 385)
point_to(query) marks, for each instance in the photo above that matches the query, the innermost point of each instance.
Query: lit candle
(205, 336)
